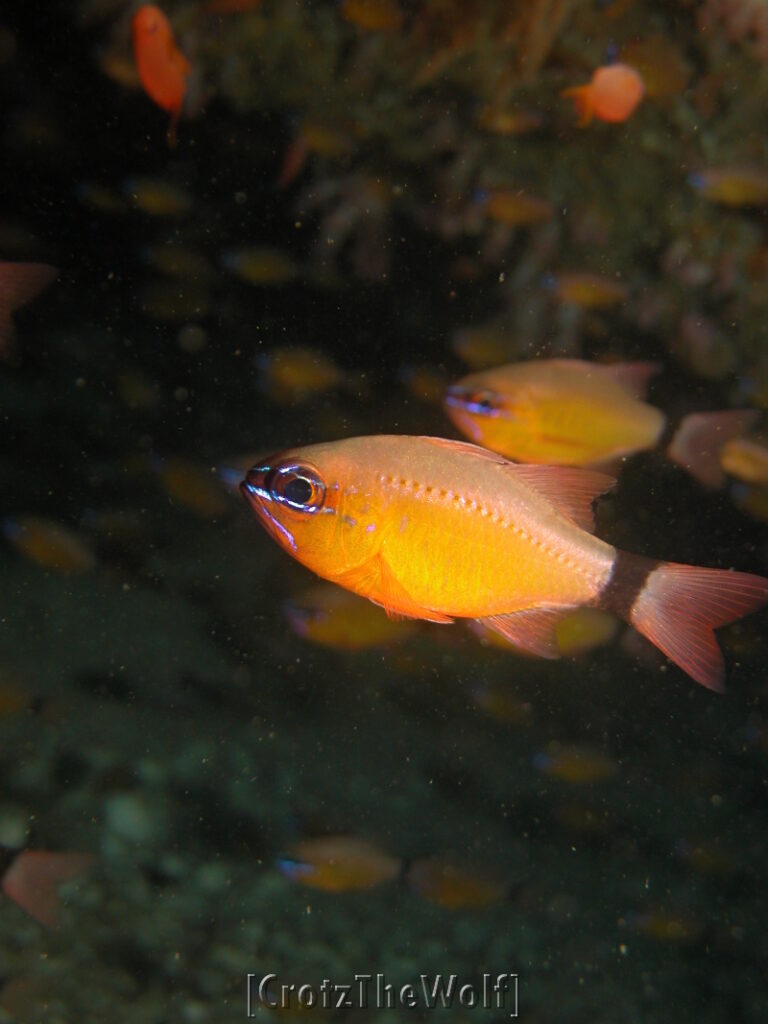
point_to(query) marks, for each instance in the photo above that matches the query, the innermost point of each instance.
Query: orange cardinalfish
(19, 284)
(339, 863)
(438, 530)
(565, 411)
(31, 879)
(613, 94)
(163, 68)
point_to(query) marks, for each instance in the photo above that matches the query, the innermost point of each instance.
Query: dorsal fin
(571, 490)
(631, 377)
(465, 446)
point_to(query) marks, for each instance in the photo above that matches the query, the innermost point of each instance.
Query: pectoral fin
(375, 580)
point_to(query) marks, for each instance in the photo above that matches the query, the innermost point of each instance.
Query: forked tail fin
(678, 607)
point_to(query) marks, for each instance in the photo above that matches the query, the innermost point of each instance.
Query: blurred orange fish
(50, 544)
(576, 764)
(564, 411)
(163, 68)
(337, 618)
(514, 208)
(192, 486)
(662, 65)
(338, 864)
(589, 291)
(32, 878)
(19, 284)
(732, 186)
(442, 881)
(373, 15)
(613, 94)
(293, 374)
(479, 347)
(746, 459)
(437, 529)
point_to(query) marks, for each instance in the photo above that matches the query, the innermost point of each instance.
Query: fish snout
(253, 487)
(479, 401)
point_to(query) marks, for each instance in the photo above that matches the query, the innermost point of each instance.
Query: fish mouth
(253, 488)
(476, 402)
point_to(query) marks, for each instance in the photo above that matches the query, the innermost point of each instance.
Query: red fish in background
(613, 94)
(19, 284)
(32, 878)
(163, 68)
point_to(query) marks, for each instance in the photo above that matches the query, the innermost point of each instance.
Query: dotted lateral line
(448, 496)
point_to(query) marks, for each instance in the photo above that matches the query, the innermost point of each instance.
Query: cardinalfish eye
(299, 487)
(482, 401)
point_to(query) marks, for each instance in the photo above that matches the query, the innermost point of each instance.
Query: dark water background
(181, 732)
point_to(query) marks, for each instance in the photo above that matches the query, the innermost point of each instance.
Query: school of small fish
(495, 527)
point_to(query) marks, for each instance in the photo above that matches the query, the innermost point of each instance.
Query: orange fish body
(559, 411)
(612, 95)
(438, 530)
(163, 68)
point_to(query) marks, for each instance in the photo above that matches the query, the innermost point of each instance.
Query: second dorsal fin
(571, 490)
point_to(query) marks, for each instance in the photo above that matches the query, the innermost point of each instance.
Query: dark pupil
(298, 490)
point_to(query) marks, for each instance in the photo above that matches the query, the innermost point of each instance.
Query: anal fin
(533, 630)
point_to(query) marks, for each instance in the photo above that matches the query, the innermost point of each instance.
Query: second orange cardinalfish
(436, 529)
(163, 68)
(564, 411)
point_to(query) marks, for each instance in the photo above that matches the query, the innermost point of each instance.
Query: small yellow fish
(293, 374)
(174, 301)
(373, 15)
(732, 186)
(338, 864)
(260, 265)
(578, 765)
(500, 704)
(746, 459)
(514, 208)
(174, 260)
(442, 881)
(587, 291)
(333, 617)
(50, 544)
(584, 630)
(664, 926)
(424, 382)
(506, 121)
(193, 487)
(558, 411)
(662, 65)
(481, 347)
(156, 197)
